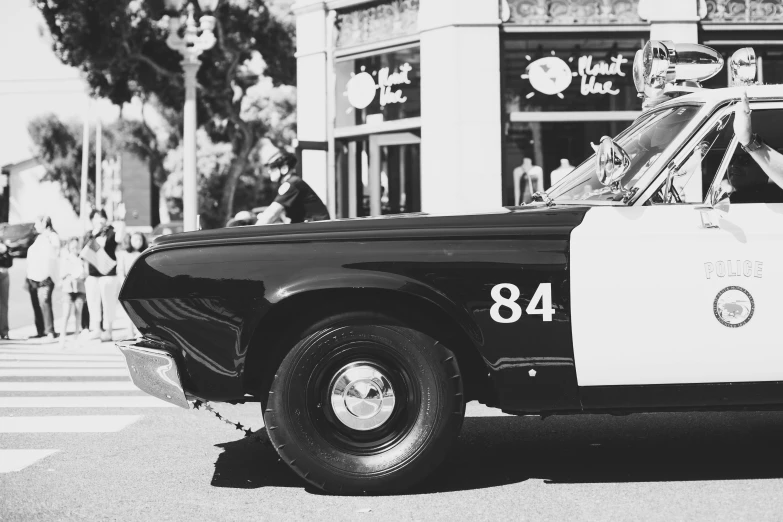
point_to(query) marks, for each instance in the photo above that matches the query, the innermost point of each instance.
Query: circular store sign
(549, 75)
(733, 306)
(361, 90)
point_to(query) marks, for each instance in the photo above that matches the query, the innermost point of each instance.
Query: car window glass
(749, 182)
(700, 168)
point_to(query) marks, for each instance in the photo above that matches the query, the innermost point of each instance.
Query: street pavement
(79, 442)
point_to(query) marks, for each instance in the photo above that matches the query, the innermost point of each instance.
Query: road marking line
(28, 386)
(17, 459)
(67, 424)
(64, 372)
(112, 401)
(60, 364)
(59, 357)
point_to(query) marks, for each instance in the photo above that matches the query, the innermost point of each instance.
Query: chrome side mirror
(720, 198)
(717, 204)
(612, 162)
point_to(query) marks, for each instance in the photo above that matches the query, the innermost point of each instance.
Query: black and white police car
(646, 280)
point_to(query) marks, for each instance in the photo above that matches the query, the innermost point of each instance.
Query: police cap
(282, 159)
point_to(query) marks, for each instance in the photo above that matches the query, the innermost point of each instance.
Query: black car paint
(205, 292)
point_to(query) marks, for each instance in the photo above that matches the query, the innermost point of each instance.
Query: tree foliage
(58, 146)
(120, 46)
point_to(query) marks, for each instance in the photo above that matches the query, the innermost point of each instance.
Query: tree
(120, 46)
(58, 146)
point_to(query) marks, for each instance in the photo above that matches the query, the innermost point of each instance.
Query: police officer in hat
(294, 196)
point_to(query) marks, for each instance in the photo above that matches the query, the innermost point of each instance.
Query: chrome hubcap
(362, 397)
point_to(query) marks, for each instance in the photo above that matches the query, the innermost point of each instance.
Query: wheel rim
(362, 398)
(362, 427)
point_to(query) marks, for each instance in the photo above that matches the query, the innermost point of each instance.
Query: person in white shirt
(41, 272)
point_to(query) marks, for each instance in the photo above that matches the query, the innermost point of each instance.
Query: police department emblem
(733, 306)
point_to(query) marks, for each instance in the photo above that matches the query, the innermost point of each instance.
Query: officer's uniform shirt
(300, 202)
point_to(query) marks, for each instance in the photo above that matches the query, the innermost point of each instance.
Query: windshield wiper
(543, 197)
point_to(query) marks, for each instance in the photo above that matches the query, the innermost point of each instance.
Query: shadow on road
(496, 451)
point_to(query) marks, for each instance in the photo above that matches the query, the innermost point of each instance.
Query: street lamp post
(197, 38)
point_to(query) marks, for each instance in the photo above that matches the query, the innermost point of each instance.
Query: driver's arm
(271, 214)
(770, 160)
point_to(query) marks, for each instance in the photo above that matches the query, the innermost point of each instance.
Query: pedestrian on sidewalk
(100, 246)
(73, 272)
(41, 272)
(133, 245)
(5, 263)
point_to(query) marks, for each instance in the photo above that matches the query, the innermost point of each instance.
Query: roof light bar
(663, 62)
(742, 65)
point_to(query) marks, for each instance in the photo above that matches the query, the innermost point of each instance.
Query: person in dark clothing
(294, 196)
(101, 283)
(5, 263)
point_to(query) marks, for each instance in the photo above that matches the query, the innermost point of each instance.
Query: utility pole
(83, 216)
(98, 174)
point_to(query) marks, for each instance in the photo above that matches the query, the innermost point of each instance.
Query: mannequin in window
(560, 172)
(528, 179)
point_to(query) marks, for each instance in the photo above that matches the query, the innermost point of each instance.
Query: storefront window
(378, 88)
(560, 95)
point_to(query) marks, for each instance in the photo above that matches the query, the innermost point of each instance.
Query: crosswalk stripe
(56, 350)
(17, 459)
(67, 424)
(64, 372)
(116, 401)
(59, 357)
(60, 364)
(71, 386)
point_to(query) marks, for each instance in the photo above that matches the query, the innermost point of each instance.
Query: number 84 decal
(543, 295)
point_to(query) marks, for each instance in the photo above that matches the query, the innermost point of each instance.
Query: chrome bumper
(154, 371)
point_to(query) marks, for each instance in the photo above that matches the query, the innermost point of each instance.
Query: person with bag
(5, 263)
(99, 251)
(41, 272)
(72, 276)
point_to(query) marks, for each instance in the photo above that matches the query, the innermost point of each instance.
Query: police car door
(658, 298)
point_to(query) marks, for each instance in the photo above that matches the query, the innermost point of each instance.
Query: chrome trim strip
(154, 371)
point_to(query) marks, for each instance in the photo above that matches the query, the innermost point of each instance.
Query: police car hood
(400, 226)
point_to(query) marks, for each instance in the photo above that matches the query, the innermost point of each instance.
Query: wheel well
(295, 317)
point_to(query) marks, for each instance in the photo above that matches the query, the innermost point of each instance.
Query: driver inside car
(770, 160)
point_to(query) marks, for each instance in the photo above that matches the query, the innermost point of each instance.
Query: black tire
(427, 414)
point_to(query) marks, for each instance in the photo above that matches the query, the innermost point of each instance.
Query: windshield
(644, 141)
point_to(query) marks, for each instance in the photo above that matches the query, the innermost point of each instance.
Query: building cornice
(342, 4)
(308, 6)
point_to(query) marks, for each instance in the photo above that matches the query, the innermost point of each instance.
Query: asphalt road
(161, 463)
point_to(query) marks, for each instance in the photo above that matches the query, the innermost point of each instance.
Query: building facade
(453, 106)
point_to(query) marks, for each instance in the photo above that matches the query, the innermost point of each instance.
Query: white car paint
(642, 301)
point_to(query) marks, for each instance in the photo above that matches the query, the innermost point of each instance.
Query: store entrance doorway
(379, 174)
(394, 183)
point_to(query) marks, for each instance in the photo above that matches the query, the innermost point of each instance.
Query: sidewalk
(120, 326)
